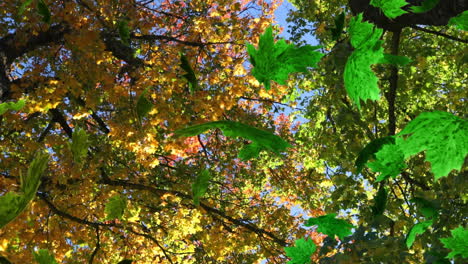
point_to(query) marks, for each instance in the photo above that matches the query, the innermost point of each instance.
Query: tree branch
(98, 246)
(438, 33)
(391, 95)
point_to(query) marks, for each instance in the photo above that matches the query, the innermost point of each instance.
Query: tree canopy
(171, 132)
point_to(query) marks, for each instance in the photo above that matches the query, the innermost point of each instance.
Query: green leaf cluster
(15, 106)
(200, 186)
(275, 61)
(331, 226)
(460, 21)
(43, 256)
(391, 8)
(458, 243)
(427, 5)
(301, 252)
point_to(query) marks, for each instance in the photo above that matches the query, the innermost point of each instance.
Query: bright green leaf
(79, 145)
(11, 205)
(425, 6)
(190, 73)
(262, 139)
(417, 229)
(43, 10)
(275, 61)
(23, 6)
(301, 252)
(395, 60)
(43, 256)
(143, 106)
(331, 226)
(391, 8)
(458, 243)
(15, 106)
(389, 162)
(442, 135)
(200, 186)
(369, 151)
(460, 21)
(115, 207)
(359, 79)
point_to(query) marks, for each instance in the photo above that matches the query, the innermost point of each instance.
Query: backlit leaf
(389, 162)
(331, 226)
(425, 6)
(115, 207)
(200, 186)
(79, 145)
(190, 73)
(275, 61)
(264, 140)
(360, 81)
(15, 106)
(458, 243)
(301, 252)
(391, 8)
(442, 135)
(417, 229)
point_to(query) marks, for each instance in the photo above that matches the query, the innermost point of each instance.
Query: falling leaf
(460, 21)
(391, 8)
(442, 135)
(389, 162)
(301, 252)
(417, 229)
(43, 256)
(79, 145)
(425, 207)
(190, 73)
(15, 106)
(263, 139)
(458, 243)
(360, 81)
(331, 226)
(369, 151)
(43, 10)
(275, 61)
(425, 6)
(380, 201)
(143, 106)
(200, 186)
(115, 207)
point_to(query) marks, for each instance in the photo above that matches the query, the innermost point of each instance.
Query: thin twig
(438, 33)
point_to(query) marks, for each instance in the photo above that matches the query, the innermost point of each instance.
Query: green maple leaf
(15, 106)
(143, 106)
(44, 11)
(424, 7)
(359, 79)
(394, 59)
(442, 135)
(426, 207)
(301, 252)
(417, 229)
(275, 61)
(391, 8)
(460, 21)
(190, 73)
(389, 162)
(200, 186)
(12, 204)
(339, 25)
(369, 151)
(263, 140)
(124, 31)
(43, 256)
(458, 243)
(380, 201)
(79, 145)
(115, 207)
(331, 226)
